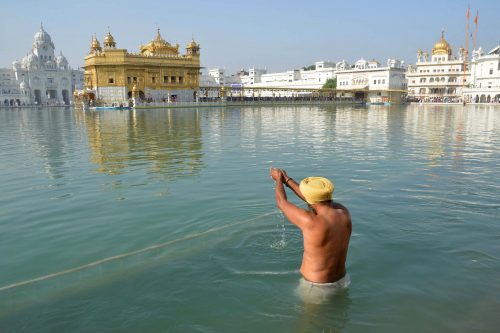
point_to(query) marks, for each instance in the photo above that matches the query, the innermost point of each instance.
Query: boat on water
(379, 103)
(106, 108)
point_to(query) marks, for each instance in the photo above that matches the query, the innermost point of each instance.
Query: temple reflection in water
(157, 141)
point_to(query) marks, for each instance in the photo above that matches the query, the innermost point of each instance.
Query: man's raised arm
(277, 176)
(294, 214)
(292, 184)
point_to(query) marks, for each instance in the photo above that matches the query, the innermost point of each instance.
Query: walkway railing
(247, 102)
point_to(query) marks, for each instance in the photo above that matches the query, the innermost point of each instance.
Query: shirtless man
(326, 229)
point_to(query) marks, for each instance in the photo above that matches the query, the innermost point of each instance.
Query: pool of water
(422, 184)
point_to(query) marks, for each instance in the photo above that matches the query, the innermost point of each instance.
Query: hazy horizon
(278, 35)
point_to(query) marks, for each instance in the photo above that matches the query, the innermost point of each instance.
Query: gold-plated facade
(158, 72)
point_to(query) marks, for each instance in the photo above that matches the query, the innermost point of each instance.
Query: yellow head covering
(316, 189)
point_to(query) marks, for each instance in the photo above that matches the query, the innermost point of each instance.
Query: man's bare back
(326, 228)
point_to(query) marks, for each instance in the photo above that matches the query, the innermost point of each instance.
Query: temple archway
(65, 96)
(359, 95)
(38, 96)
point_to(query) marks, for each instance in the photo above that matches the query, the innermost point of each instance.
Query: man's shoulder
(340, 207)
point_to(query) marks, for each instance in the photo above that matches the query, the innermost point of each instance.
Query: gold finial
(158, 35)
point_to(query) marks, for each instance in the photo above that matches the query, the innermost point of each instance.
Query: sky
(277, 35)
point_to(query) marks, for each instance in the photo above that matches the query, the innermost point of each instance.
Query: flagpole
(475, 29)
(466, 51)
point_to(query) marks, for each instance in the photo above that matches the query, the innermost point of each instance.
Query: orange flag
(477, 15)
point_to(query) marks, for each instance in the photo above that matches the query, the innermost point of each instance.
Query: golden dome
(192, 48)
(95, 45)
(192, 44)
(159, 46)
(441, 47)
(109, 41)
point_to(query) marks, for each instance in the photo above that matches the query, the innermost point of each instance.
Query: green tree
(330, 84)
(309, 68)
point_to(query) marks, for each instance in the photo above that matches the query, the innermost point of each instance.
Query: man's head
(316, 189)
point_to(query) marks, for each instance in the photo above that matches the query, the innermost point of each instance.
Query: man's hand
(285, 176)
(276, 174)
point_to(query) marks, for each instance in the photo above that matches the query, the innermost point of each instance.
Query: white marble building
(221, 78)
(48, 78)
(440, 77)
(485, 77)
(254, 76)
(299, 79)
(12, 92)
(77, 82)
(316, 78)
(369, 82)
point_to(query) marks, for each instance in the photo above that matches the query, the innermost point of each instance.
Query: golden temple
(157, 73)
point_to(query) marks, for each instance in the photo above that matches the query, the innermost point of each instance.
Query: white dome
(342, 65)
(61, 60)
(361, 64)
(42, 37)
